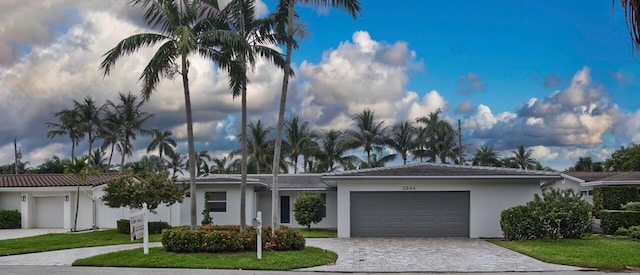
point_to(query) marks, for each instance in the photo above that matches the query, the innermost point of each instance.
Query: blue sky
(556, 76)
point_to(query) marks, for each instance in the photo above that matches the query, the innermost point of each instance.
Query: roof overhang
(567, 176)
(353, 177)
(606, 183)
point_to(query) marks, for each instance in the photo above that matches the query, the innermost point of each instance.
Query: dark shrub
(10, 219)
(611, 220)
(519, 223)
(287, 239)
(613, 197)
(154, 227)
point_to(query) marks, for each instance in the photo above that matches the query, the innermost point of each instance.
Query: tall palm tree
(220, 165)
(260, 41)
(258, 144)
(299, 137)
(402, 139)
(68, 125)
(375, 162)
(420, 148)
(523, 158)
(177, 163)
(130, 117)
(163, 141)
(110, 133)
(443, 141)
(426, 136)
(203, 166)
(486, 156)
(332, 150)
(97, 160)
(90, 118)
(185, 27)
(632, 16)
(288, 7)
(368, 134)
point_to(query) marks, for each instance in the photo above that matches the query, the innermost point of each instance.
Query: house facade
(420, 200)
(583, 182)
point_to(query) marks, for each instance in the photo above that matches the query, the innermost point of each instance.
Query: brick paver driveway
(426, 255)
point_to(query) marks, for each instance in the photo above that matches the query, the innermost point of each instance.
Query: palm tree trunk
(275, 196)
(75, 221)
(191, 145)
(113, 145)
(243, 163)
(73, 149)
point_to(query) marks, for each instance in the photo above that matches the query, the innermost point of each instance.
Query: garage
(410, 214)
(49, 212)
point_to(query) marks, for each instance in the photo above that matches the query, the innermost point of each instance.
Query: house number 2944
(408, 188)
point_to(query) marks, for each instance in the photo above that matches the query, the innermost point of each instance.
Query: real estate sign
(136, 226)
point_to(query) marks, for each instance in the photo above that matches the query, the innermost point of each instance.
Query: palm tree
(332, 151)
(420, 148)
(220, 165)
(89, 116)
(130, 117)
(259, 40)
(402, 139)
(523, 157)
(258, 144)
(110, 133)
(80, 169)
(163, 141)
(68, 125)
(632, 16)
(299, 137)
(426, 135)
(443, 141)
(486, 156)
(368, 135)
(375, 162)
(97, 160)
(288, 7)
(185, 27)
(203, 166)
(176, 163)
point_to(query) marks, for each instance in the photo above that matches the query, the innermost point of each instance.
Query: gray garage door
(410, 214)
(49, 212)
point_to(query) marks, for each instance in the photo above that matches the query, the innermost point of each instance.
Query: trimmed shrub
(154, 227)
(308, 209)
(632, 206)
(10, 219)
(611, 220)
(183, 240)
(519, 223)
(613, 197)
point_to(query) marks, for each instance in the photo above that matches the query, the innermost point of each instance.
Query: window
(285, 210)
(586, 193)
(324, 204)
(216, 201)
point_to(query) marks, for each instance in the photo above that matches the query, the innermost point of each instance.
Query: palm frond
(162, 64)
(128, 46)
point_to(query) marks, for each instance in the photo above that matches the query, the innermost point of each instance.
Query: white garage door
(49, 212)
(410, 214)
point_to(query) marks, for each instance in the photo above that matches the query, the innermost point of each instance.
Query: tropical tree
(80, 169)
(258, 145)
(425, 142)
(163, 141)
(259, 40)
(130, 117)
(220, 165)
(368, 134)
(632, 16)
(97, 160)
(177, 163)
(185, 27)
(402, 139)
(522, 157)
(420, 149)
(54, 165)
(332, 151)
(584, 164)
(203, 166)
(625, 159)
(68, 125)
(299, 137)
(90, 120)
(287, 24)
(110, 133)
(486, 156)
(375, 162)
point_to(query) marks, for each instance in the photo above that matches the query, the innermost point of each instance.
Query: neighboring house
(583, 182)
(420, 200)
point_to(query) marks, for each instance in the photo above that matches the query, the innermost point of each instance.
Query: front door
(285, 209)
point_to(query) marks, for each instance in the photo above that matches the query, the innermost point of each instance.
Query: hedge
(519, 223)
(184, 240)
(154, 227)
(611, 220)
(10, 219)
(613, 197)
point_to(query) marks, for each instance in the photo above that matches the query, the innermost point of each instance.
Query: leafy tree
(68, 125)
(147, 164)
(130, 117)
(625, 159)
(486, 156)
(286, 8)
(54, 165)
(369, 134)
(151, 188)
(402, 139)
(184, 27)
(308, 208)
(163, 141)
(523, 158)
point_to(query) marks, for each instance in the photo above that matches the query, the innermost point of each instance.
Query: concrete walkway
(6, 234)
(66, 257)
(427, 255)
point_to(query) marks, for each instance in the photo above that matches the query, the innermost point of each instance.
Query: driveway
(21, 233)
(426, 255)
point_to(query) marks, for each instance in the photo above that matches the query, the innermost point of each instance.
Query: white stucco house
(583, 182)
(421, 200)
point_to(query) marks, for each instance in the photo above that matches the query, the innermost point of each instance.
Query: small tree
(154, 189)
(308, 209)
(206, 216)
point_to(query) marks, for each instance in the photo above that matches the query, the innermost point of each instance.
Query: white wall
(10, 201)
(231, 216)
(487, 198)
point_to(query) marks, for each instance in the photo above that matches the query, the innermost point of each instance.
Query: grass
(319, 233)
(592, 252)
(60, 241)
(157, 257)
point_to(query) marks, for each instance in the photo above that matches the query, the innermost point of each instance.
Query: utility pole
(15, 154)
(460, 142)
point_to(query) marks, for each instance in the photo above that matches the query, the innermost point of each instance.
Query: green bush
(208, 240)
(611, 220)
(308, 209)
(154, 227)
(633, 232)
(10, 219)
(613, 197)
(632, 206)
(558, 214)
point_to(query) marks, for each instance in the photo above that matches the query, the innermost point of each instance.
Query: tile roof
(53, 180)
(605, 176)
(435, 170)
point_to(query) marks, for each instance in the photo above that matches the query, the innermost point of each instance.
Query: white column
(67, 209)
(24, 210)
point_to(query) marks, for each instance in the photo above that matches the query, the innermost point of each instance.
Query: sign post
(257, 223)
(139, 227)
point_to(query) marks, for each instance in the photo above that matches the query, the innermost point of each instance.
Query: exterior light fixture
(66, 198)
(24, 198)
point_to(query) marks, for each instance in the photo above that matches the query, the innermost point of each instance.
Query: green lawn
(157, 257)
(59, 241)
(593, 252)
(319, 233)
